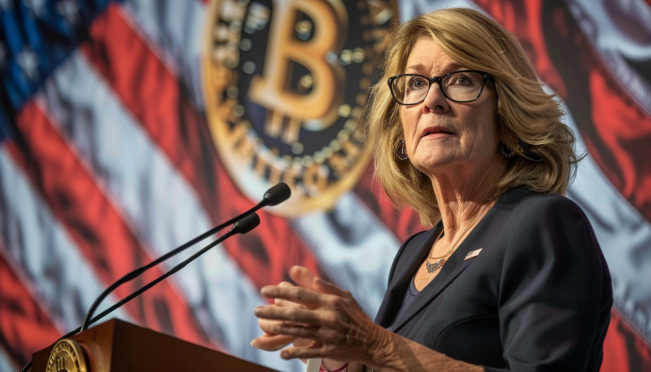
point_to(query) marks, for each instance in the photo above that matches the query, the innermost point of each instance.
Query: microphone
(274, 196)
(241, 226)
(246, 224)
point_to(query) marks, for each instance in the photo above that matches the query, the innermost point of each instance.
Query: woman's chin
(430, 165)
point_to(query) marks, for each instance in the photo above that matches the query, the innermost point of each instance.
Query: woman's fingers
(277, 327)
(266, 324)
(302, 276)
(270, 317)
(281, 302)
(322, 286)
(271, 342)
(322, 319)
(296, 331)
(307, 279)
(294, 294)
(315, 351)
(329, 324)
(285, 284)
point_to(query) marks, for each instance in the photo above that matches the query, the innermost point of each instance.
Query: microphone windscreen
(247, 223)
(277, 194)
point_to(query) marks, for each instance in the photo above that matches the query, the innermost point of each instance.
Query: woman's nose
(435, 100)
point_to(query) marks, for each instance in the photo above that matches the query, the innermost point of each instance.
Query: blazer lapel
(484, 235)
(450, 270)
(404, 271)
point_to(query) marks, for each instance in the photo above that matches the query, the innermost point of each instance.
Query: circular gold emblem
(286, 85)
(66, 356)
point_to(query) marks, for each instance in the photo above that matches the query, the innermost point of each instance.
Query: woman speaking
(510, 276)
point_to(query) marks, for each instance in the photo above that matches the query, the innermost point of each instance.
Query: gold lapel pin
(473, 254)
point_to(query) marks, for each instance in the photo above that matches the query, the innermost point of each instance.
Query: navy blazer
(536, 298)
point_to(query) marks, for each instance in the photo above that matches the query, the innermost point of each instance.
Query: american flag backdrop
(109, 158)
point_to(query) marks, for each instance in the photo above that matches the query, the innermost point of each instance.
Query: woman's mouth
(436, 132)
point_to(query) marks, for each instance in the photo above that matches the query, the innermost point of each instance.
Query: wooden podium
(119, 346)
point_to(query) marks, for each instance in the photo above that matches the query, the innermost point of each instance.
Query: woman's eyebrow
(421, 69)
(418, 67)
(452, 67)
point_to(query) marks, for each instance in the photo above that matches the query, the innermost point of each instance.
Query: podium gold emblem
(66, 356)
(285, 84)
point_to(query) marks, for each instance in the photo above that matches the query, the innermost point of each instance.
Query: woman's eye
(416, 83)
(462, 80)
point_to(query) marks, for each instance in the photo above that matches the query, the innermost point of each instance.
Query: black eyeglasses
(457, 86)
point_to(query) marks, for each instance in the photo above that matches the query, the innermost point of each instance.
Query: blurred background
(129, 127)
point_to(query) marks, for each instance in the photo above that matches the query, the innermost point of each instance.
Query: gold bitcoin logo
(286, 85)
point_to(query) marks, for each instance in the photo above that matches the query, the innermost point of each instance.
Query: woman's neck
(464, 197)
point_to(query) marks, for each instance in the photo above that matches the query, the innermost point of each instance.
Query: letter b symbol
(317, 109)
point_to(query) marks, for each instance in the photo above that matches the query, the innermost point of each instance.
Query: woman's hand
(270, 341)
(329, 318)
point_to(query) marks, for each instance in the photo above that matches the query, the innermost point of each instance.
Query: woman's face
(439, 133)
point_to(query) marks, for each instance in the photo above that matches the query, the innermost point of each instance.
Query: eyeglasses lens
(461, 87)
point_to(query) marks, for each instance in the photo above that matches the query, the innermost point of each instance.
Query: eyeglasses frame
(438, 79)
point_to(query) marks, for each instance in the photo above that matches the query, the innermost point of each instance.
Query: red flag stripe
(155, 98)
(94, 224)
(623, 348)
(525, 20)
(403, 222)
(24, 327)
(614, 126)
(620, 141)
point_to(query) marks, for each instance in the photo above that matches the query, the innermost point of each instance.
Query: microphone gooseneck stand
(242, 224)
(275, 195)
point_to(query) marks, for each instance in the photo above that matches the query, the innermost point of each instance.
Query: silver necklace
(432, 267)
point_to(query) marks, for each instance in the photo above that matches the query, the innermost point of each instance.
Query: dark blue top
(410, 295)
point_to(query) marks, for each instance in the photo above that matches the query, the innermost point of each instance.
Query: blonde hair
(544, 158)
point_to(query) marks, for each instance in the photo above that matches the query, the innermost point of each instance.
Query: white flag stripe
(623, 234)
(59, 275)
(620, 44)
(602, 21)
(6, 364)
(156, 201)
(353, 247)
(175, 31)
